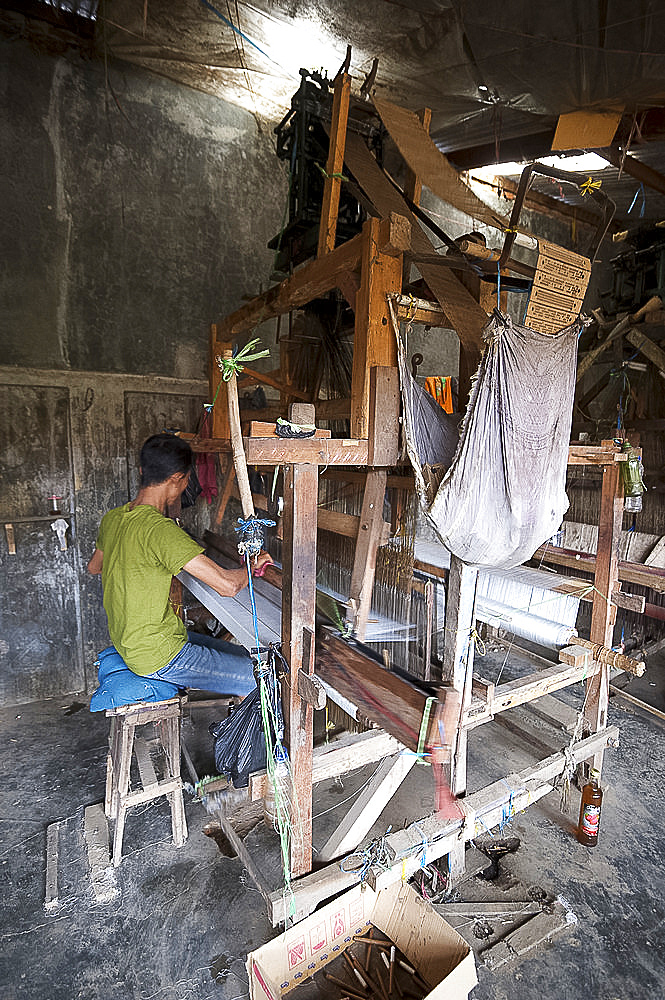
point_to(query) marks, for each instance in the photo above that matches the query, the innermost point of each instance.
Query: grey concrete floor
(183, 920)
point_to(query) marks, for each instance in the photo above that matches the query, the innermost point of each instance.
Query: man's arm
(227, 582)
(95, 564)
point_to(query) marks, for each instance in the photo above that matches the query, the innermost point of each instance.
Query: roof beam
(640, 171)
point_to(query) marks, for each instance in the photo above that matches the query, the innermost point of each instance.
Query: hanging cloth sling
(504, 493)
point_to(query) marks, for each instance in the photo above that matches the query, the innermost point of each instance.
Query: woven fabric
(504, 493)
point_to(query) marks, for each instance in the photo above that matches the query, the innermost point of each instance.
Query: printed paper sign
(559, 287)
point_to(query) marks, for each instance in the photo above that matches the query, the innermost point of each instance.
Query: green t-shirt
(142, 551)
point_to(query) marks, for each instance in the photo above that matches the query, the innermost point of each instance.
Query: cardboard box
(439, 954)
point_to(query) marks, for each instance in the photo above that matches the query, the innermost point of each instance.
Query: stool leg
(118, 833)
(110, 767)
(126, 745)
(178, 821)
(171, 743)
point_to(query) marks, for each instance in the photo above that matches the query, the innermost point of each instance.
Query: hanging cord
(250, 530)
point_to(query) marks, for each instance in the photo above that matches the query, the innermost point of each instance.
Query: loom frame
(368, 270)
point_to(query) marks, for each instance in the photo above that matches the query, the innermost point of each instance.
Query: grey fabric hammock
(504, 493)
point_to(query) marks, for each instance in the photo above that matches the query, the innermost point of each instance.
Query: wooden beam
(345, 754)
(652, 351)
(458, 658)
(629, 165)
(603, 613)
(413, 185)
(280, 451)
(298, 621)
(334, 164)
(374, 339)
(218, 392)
(629, 572)
(310, 281)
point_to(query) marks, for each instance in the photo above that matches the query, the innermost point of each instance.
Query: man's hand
(96, 563)
(260, 563)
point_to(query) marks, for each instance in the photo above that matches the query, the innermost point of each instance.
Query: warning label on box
(338, 924)
(297, 953)
(317, 938)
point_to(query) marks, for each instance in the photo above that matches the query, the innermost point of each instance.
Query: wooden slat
(384, 410)
(367, 808)
(367, 544)
(220, 413)
(458, 657)
(266, 429)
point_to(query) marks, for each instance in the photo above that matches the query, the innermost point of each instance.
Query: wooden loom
(368, 270)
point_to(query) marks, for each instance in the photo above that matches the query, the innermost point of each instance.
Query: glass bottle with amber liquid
(592, 799)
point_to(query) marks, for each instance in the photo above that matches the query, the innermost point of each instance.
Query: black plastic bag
(240, 739)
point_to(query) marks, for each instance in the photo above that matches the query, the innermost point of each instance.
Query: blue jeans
(211, 665)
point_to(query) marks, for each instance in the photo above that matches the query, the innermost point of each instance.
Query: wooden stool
(166, 715)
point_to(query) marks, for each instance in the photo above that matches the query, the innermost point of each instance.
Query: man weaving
(138, 551)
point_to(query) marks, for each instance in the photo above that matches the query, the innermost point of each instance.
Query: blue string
(242, 34)
(639, 191)
(498, 287)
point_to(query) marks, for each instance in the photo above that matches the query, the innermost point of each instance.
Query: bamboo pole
(237, 447)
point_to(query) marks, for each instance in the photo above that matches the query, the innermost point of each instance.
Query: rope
(590, 185)
(233, 366)
(336, 176)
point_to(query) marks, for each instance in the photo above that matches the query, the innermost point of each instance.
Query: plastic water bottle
(282, 785)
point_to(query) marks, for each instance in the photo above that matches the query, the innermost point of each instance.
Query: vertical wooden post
(603, 613)
(374, 340)
(458, 657)
(334, 165)
(220, 414)
(367, 544)
(298, 618)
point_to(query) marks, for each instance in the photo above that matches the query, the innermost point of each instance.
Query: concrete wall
(126, 231)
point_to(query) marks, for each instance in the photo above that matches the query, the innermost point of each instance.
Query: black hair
(162, 455)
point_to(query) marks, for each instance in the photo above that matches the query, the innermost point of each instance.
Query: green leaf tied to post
(233, 366)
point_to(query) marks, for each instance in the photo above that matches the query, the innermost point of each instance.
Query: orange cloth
(441, 388)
